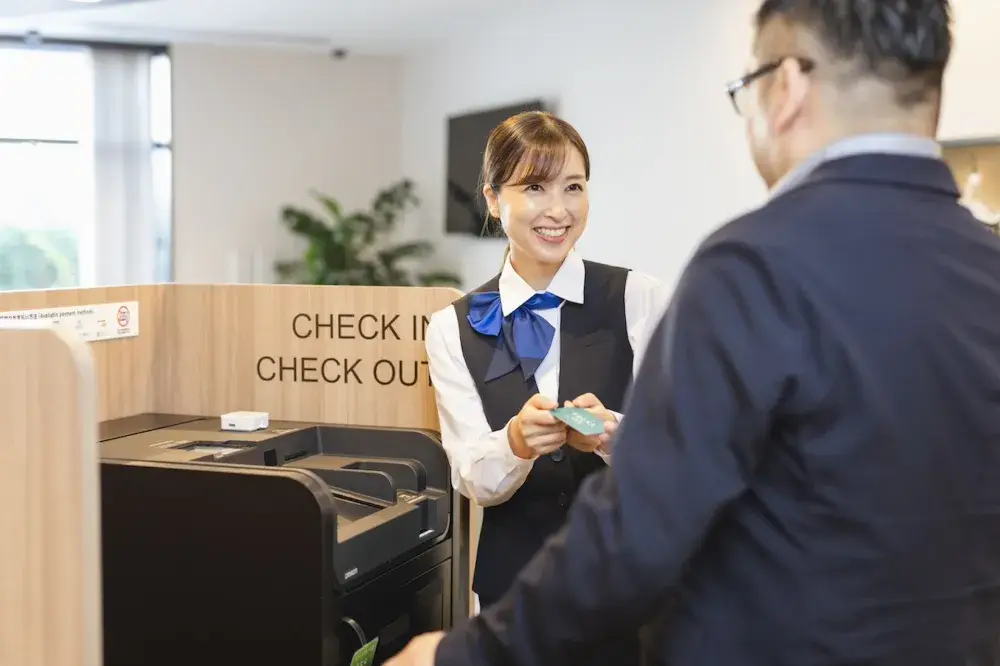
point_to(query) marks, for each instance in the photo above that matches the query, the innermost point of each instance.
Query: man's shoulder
(755, 229)
(772, 237)
(779, 223)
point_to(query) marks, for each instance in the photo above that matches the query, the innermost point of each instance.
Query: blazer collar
(860, 144)
(905, 171)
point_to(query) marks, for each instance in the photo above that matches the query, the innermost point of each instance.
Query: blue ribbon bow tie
(523, 336)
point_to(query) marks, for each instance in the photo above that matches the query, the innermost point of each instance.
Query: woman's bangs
(540, 163)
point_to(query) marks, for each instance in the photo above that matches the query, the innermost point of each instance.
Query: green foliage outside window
(38, 259)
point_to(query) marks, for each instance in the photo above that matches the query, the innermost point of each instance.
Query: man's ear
(492, 202)
(791, 87)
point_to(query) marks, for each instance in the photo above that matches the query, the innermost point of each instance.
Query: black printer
(289, 546)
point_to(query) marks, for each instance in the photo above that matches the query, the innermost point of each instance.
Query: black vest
(596, 357)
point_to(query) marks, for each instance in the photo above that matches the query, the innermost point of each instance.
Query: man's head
(823, 70)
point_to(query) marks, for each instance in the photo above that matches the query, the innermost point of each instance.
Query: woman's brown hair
(527, 149)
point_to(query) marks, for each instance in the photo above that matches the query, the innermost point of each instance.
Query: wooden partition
(334, 354)
(126, 376)
(331, 354)
(352, 355)
(50, 610)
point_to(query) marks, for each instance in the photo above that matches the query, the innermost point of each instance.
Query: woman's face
(543, 221)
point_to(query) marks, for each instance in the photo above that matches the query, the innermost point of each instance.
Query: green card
(365, 656)
(579, 419)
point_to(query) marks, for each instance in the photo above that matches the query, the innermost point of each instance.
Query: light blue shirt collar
(886, 144)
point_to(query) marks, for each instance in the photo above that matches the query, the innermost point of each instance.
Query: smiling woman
(550, 330)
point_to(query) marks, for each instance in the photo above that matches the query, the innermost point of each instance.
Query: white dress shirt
(483, 468)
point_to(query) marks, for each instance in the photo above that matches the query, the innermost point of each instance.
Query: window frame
(169, 147)
(153, 49)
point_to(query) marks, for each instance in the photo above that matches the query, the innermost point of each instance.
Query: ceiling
(365, 26)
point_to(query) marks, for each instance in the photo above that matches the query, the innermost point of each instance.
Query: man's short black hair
(904, 42)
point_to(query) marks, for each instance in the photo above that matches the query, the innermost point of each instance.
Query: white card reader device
(245, 421)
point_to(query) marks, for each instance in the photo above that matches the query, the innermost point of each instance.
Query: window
(46, 169)
(85, 167)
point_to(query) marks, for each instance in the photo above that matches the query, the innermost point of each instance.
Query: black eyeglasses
(734, 87)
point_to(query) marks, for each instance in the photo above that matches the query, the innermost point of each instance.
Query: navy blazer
(809, 469)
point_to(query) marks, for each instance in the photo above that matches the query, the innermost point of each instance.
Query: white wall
(255, 129)
(643, 82)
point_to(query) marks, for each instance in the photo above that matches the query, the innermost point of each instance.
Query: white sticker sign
(104, 321)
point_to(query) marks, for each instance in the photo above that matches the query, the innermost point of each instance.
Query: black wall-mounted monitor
(465, 212)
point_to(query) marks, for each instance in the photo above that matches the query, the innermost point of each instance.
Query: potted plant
(354, 248)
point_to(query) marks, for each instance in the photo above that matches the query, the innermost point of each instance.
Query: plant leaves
(331, 205)
(361, 227)
(412, 250)
(391, 202)
(349, 248)
(439, 279)
(304, 223)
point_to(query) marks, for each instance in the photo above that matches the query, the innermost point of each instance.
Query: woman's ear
(492, 202)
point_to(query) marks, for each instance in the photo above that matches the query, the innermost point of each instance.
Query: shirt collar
(567, 284)
(891, 144)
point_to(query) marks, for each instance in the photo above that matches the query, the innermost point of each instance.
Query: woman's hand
(589, 444)
(534, 431)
